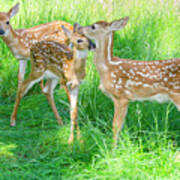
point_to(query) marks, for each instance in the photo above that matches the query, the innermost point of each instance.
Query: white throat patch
(81, 54)
(7, 33)
(109, 52)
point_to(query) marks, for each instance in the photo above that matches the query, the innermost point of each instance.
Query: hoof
(13, 123)
(81, 141)
(71, 140)
(177, 158)
(60, 122)
(79, 138)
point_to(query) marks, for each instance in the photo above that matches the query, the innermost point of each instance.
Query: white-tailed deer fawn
(20, 41)
(127, 80)
(55, 62)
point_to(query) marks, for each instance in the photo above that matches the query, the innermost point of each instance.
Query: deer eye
(93, 26)
(7, 22)
(79, 40)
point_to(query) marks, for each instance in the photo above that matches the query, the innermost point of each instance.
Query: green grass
(37, 147)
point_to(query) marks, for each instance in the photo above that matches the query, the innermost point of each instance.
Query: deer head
(98, 30)
(77, 40)
(5, 17)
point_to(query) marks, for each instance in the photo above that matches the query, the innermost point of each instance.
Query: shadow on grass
(37, 147)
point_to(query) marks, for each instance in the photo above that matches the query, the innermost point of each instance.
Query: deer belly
(158, 97)
(144, 91)
(50, 75)
(150, 95)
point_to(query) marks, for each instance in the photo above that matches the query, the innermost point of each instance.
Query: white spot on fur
(138, 83)
(123, 71)
(119, 81)
(166, 79)
(147, 85)
(172, 75)
(132, 72)
(113, 75)
(127, 92)
(143, 75)
(118, 86)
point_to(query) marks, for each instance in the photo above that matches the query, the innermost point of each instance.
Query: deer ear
(118, 24)
(66, 31)
(76, 26)
(13, 11)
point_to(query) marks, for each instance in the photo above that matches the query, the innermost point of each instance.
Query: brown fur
(20, 41)
(127, 80)
(57, 62)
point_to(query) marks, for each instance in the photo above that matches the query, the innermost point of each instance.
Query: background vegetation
(37, 147)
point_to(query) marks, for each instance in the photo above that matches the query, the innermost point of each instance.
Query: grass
(37, 147)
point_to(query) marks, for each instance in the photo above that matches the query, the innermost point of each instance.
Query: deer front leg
(67, 92)
(120, 109)
(48, 92)
(22, 70)
(73, 114)
(22, 90)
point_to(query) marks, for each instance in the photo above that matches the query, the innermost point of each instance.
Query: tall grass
(37, 148)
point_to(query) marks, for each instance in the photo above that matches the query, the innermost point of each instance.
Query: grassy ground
(37, 147)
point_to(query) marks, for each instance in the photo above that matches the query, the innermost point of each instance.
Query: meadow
(37, 147)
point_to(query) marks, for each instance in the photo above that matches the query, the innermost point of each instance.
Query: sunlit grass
(6, 151)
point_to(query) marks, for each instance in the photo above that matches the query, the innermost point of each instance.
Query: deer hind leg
(176, 100)
(21, 73)
(22, 90)
(42, 85)
(120, 106)
(48, 92)
(73, 114)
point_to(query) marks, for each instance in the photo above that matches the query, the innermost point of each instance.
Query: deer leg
(48, 92)
(73, 114)
(120, 106)
(176, 100)
(22, 70)
(42, 85)
(22, 90)
(67, 92)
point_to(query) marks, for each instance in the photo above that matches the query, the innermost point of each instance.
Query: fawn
(127, 80)
(20, 41)
(55, 62)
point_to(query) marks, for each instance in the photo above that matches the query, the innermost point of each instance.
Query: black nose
(1, 32)
(79, 40)
(94, 45)
(91, 45)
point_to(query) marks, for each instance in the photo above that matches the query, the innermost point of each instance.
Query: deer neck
(104, 52)
(11, 37)
(80, 57)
